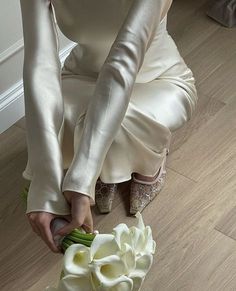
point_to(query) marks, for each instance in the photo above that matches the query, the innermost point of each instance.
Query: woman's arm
(43, 107)
(112, 93)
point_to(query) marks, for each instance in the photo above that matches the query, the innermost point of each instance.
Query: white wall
(11, 62)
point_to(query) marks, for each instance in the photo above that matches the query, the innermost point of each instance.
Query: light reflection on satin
(110, 111)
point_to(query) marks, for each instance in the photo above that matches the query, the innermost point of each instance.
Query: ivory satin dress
(111, 109)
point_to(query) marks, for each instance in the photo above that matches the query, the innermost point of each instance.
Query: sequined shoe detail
(104, 195)
(143, 192)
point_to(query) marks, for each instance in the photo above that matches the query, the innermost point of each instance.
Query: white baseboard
(12, 100)
(11, 51)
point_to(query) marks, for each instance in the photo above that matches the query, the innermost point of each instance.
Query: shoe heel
(104, 196)
(142, 192)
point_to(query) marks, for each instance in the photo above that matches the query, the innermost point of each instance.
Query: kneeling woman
(107, 116)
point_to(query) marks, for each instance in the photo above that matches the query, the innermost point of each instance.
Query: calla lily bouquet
(118, 261)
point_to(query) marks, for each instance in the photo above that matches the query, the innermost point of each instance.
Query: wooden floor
(193, 218)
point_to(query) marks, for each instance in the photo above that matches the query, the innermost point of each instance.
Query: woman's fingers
(66, 229)
(34, 227)
(46, 235)
(79, 209)
(40, 223)
(81, 214)
(88, 222)
(67, 217)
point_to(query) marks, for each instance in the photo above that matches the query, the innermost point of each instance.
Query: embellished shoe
(104, 195)
(143, 192)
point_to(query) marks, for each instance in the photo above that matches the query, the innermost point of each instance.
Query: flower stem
(86, 236)
(79, 240)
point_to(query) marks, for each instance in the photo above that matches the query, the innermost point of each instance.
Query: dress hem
(129, 177)
(53, 212)
(111, 181)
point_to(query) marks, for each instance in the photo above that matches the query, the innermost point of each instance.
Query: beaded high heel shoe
(143, 192)
(104, 195)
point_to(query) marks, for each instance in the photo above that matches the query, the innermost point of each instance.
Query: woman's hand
(80, 213)
(81, 216)
(40, 222)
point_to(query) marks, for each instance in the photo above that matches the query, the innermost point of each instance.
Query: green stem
(82, 236)
(62, 274)
(78, 240)
(68, 241)
(65, 245)
(86, 236)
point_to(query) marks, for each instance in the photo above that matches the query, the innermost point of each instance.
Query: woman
(108, 115)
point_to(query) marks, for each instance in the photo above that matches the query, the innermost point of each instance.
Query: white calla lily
(103, 245)
(108, 268)
(75, 283)
(137, 249)
(150, 244)
(144, 263)
(108, 274)
(76, 260)
(122, 284)
(127, 254)
(138, 239)
(122, 234)
(114, 262)
(137, 278)
(140, 223)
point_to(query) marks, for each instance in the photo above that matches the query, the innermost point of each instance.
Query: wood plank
(209, 147)
(12, 142)
(214, 268)
(50, 278)
(193, 28)
(183, 231)
(207, 108)
(20, 123)
(226, 223)
(207, 57)
(221, 84)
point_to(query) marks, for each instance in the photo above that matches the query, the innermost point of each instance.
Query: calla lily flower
(138, 237)
(121, 284)
(114, 262)
(144, 263)
(150, 244)
(127, 254)
(75, 283)
(122, 234)
(103, 245)
(109, 271)
(137, 279)
(76, 260)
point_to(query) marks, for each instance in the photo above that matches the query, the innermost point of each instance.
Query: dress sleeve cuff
(43, 197)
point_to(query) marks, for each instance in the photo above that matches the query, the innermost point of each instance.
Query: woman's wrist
(69, 195)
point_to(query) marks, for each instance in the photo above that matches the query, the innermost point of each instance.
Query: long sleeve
(112, 93)
(43, 107)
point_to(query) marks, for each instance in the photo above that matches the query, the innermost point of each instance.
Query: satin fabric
(111, 109)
